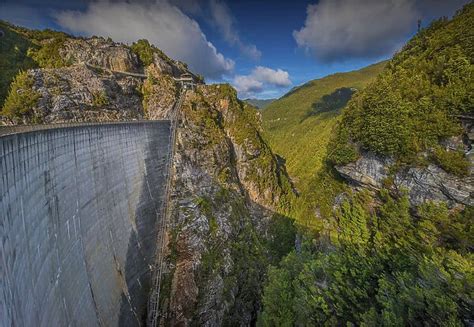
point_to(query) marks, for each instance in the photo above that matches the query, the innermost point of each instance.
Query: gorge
(135, 194)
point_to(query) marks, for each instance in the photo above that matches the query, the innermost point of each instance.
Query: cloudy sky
(263, 48)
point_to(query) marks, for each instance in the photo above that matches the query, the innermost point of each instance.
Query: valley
(135, 192)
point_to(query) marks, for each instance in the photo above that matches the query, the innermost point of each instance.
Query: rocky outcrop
(114, 56)
(101, 52)
(160, 93)
(423, 184)
(216, 255)
(369, 171)
(168, 66)
(254, 160)
(78, 93)
(97, 79)
(434, 184)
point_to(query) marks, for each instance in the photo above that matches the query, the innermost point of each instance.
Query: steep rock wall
(80, 211)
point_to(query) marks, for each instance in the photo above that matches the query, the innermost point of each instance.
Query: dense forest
(376, 260)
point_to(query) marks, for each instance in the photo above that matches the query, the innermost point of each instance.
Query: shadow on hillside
(331, 102)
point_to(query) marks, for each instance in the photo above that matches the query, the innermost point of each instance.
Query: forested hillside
(412, 104)
(383, 254)
(299, 125)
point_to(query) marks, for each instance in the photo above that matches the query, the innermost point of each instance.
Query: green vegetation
(260, 103)
(410, 106)
(47, 44)
(23, 49)
(385, 269)
(300, 133)
(13, 57)
(374, 259)
(100, 99)
(453, 162)
(47, 56)
(145, 51)
(293, 137)
(21, 98)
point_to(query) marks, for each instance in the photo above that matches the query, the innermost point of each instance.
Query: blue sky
(263, 48)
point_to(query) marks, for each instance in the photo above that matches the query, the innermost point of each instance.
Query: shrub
(453, 162)
(100, 99)
(143, 50)
(383, 268)
(13, 57)
(47, 56)
(21, 98)
(340, 150)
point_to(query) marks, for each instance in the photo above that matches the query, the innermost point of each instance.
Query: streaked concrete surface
(79, 212)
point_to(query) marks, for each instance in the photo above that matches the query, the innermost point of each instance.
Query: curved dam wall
(80, 213)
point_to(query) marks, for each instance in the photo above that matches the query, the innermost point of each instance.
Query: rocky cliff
(228, 188)
(229, 191)
(88, 79)
(428, 182)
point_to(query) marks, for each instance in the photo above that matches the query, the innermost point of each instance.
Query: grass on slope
(299, 131)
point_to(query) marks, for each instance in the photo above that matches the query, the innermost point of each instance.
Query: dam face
(80, 215)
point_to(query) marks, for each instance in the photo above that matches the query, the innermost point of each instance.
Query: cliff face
(423, 183)
(115, 56)
(102, 53)
(227, 187)
(229, 191)
(78, 93)
(92, 79)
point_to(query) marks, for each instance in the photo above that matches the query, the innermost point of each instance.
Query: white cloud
(161, 22)
(224, 21)
(336, 29)
(259, 79)
(275, 77)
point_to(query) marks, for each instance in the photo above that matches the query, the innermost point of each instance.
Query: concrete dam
(80, 215)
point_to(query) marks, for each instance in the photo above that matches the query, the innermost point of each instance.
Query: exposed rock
(114, 56)
(423, 184)
(254, 160)
(368, 171)
(214, 212)
(77, 93)
(168, 66)
(434, 184)
(102, 53)
(160, 93)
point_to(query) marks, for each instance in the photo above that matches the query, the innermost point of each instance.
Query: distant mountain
(299, 124)
(260, 103)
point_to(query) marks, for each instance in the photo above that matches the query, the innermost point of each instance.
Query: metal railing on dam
(80, 210)
(17, 129)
